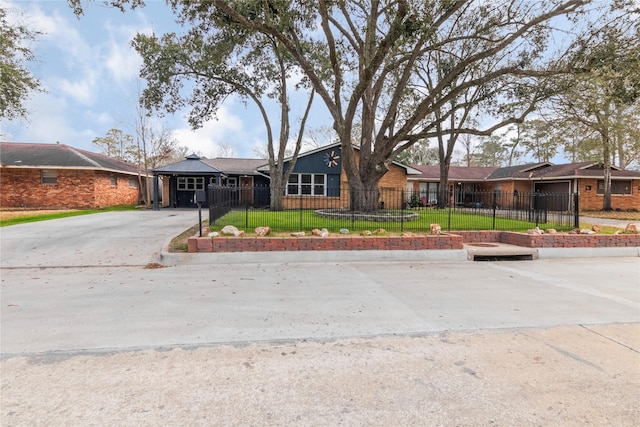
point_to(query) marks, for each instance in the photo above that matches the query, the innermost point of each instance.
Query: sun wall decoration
(331, 159)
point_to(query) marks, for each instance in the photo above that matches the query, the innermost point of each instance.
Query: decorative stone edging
(383, 216)
(427, 242)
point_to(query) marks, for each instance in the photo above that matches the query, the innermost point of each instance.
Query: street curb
(453, 255)
(444, 255)
(548, 253)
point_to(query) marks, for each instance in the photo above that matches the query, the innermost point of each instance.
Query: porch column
(156, 197)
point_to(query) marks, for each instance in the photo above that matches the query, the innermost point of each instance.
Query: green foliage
(306, 220)
(16, 82)
(415, 201)
(118, 145)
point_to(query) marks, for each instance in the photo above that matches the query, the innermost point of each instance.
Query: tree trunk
(606, 153)
(277, 190)
(443, 194)
(366, 198)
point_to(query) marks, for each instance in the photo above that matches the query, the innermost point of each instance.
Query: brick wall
(394, 181)
(349, 243)
(590, 200)
(313, 202)
(107, 194)
(445, 241)
(559, 240)
(75, 189)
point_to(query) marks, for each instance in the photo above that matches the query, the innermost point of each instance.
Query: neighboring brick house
(585, 178)
(39, 176)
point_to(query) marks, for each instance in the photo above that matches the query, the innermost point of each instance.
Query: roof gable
(336, 145)
(191, 165)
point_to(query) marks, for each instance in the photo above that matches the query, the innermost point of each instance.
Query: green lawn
(305, 220)
(33, 216)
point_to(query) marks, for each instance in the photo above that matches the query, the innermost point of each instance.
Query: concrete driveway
(104, 239)
(91, 336)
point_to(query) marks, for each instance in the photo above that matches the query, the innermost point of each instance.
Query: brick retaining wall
(313, 243)
(444, 241)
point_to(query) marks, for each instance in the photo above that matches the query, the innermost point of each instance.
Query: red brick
(76, 189)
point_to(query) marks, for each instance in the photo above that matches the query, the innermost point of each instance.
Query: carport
(184, 179)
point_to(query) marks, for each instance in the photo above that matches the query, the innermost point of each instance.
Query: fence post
(301, 203)
(353, 211)
(210, 196)
(494, 204)
(246, 215)
(402, 208)
(576, 211)
(445, 192)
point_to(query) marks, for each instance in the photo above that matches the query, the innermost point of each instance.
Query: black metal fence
(396, 210)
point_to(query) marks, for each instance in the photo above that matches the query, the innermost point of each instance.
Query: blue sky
(90, 73)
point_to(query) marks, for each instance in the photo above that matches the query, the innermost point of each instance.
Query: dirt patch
(179, 243)
(625, 216)
(153, 265)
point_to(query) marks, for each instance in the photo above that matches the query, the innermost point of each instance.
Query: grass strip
(305, 220)
(44, 217)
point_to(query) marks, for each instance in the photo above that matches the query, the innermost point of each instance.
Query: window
(306, 184)
(49, 177)
(231, 181)
(133, 183)
(114, 180)
(617, 187)
(190, 183)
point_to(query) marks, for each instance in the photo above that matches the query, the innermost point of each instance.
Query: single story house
(55, 176)
(319, 174)
(585, 178)
(182, 179)
(317, 178)
(318, 181)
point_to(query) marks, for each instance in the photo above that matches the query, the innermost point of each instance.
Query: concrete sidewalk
(565, 376)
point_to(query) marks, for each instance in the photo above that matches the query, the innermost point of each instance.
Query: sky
(91, 77)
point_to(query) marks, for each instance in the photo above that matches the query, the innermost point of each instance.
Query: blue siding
(316, 163)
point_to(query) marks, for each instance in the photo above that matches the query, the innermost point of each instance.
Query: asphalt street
(78, 288)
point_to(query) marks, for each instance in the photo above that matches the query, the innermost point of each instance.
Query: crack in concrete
(610, 339)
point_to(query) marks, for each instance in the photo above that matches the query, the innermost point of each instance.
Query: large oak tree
(603, 103)
(407, 70)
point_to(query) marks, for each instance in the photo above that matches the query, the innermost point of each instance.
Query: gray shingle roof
(519, 171)
(456, 173)
(191, 165)
(14, 154)
(232, 166)
(528, 171)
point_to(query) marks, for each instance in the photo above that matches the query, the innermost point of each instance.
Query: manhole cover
(484, 245)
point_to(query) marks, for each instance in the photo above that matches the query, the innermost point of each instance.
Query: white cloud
(48, 123)
(228, 128)
(122, 61)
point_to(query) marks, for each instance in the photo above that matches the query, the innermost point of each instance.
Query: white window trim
(312, 184)
(183, 183)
